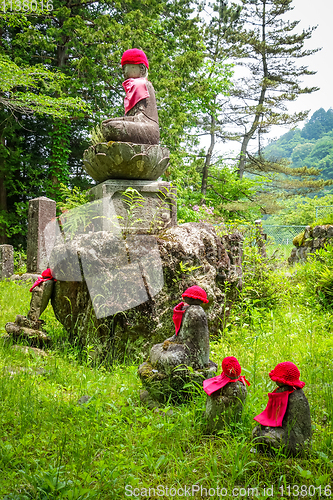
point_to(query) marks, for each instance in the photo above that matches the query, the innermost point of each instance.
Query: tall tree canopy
(268, 49)
(83, 41)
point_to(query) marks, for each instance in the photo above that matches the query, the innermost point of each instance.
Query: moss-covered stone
(135, 330)
(299, 239)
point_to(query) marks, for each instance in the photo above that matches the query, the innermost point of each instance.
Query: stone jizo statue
(31, 326)
(226, 395)
(286, 421)
(184, 356)
(140, 123)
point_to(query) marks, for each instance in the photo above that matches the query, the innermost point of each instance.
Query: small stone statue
(140, 123)
(167, 370)
(226, 395)
(30, 326)
(286, 421)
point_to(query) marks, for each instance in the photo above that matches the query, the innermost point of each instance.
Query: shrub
(316, 276)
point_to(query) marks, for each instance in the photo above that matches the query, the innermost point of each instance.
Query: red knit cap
(134, 56)
(287, 373)
(195, 292)
(231, 367)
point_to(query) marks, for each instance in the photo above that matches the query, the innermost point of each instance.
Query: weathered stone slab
(190, 254)
(41, 212)
(225, 405)
(37, 337)
(6, 261)
(157, 209)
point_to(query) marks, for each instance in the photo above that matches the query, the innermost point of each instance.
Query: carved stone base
(125, 160)
(225, 406)
(177, 386)
(156, 210)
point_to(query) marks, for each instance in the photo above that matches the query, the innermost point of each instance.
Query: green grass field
(111, 447)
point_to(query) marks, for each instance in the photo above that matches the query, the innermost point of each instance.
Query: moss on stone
(299, 239)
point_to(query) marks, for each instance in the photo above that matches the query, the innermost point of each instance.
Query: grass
(52, 447)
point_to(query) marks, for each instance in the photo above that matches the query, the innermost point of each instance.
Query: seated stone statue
(226, 395)
(286, 421)
(140, 123)
(31, 326)
(185, 355)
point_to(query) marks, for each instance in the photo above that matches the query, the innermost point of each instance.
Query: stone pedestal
(225, 406)
(41, 211)
(156, 209)
(147, 322)
(6, 261)
(124, 160)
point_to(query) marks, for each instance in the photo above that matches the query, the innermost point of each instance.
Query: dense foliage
(311, 146)
(61, 76)
(268, 47)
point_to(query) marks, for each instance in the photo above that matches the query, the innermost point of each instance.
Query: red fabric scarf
(46, 276)
(273, 414)
(136, 90)
(178, 314)
(214, 384)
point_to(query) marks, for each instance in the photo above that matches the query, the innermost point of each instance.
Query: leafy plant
(316, 276)
(20, 261)
(184, 269)
(96, 135)
(133, 201)
(72, 198)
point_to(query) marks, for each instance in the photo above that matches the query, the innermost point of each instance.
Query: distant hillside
(310, 147)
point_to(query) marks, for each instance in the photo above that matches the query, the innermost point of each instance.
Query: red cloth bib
(275, 410)
(214, 384)
(178, 314)
(136, 90)
(46, 276)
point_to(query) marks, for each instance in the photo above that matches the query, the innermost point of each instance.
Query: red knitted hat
(134, 56)
(231, 367)
(195, 292)
(287, 373)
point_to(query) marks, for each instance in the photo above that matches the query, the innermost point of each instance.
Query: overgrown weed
(53, 447)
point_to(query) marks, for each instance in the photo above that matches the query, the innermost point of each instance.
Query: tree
(217, 78)
(22, 90)
(84, 40)
(267, 48)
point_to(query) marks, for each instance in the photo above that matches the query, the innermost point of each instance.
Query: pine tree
(217, 77)
(268, 49)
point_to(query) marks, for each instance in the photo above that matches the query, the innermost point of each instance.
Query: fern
(96, 135)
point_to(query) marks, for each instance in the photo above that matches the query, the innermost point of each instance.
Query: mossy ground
(51, 447)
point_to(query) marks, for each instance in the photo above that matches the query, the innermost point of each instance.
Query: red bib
(46, 276)
(136, 90)
(275, 410)
(214, 384)
(178, 314)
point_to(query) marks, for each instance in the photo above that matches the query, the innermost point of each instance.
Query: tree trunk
(58, 159)
(255, 124)
(3, 191)
(208, 159)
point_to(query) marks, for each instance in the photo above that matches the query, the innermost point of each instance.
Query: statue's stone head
(134, 63)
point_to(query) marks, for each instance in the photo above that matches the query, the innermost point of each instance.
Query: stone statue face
(131, 71)
(134, 71)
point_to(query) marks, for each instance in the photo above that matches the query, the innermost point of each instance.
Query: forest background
(60, 76)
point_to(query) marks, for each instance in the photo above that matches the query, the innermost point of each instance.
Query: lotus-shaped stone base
(124, 160)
